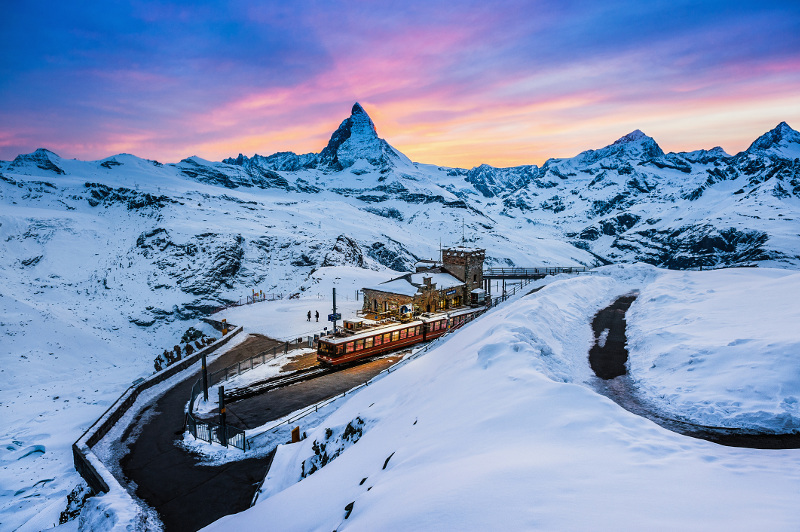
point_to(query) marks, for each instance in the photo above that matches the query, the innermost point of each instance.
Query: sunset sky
(452, 83)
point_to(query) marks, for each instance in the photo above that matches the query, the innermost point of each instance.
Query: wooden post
(295, 434)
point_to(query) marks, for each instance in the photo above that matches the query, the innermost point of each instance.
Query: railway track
(266, 385)
(273, 383)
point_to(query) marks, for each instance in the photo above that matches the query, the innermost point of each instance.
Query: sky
(454, 83)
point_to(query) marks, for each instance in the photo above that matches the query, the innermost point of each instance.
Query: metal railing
(249, 300)
(505, 295)
(209, 431)
(246, 365)
(528, 273)
(203, 429)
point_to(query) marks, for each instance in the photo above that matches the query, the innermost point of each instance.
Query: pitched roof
(410, 283)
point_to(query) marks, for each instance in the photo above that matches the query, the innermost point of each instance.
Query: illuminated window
(349, 347)
(367, 343)
(395, 336)
(378, 340)
(387, 338)
(359, 345)
(403, 334)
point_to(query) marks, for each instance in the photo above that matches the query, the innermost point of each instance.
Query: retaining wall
(87, 464)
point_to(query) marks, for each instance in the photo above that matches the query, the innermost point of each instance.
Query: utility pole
(223, 436)
(205, 378)
(334, 310)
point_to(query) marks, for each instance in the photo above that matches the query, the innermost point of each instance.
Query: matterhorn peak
(633, 136)
(356, 138)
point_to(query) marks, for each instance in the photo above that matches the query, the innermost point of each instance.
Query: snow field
(720, 348)
(497, 428)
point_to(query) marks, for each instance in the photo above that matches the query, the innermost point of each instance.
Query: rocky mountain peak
(782, 140)
(635, 145)
(42, 158)
(633, 136)
(356, 138)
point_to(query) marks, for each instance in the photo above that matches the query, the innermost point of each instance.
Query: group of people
(167, 358)
(316, 315)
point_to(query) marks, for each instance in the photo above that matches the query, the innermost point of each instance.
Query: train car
(337, 350)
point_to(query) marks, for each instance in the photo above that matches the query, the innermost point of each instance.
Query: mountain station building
(455, 282)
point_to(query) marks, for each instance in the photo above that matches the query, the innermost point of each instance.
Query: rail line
(280, 381)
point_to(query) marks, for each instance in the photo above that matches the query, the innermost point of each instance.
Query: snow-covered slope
(105, 263)
(499, 427)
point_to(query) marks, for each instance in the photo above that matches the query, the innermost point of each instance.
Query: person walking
(316, 314)
(308, 316)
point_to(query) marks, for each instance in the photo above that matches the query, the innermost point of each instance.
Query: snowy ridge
(105, 263)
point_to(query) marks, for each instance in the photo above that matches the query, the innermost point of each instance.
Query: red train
(349, 346)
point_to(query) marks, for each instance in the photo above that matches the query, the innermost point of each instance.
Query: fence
(525, 273)
(209, 431)
(246, 365)
(505, 295)
(257, 298)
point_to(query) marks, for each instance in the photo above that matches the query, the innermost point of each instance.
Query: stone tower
(466, 264)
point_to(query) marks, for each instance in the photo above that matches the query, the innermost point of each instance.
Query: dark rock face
(99, 194)
(345, 252)
(392, 254)
(200, 266)
(491, 181)
(205, 174)
(696, 246)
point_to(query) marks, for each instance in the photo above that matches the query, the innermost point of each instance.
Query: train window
(378, 340)
(403, 334)
(367, 343)
(349, 347)
(387, 338)
(395, 336)
(339, 349)
(359, 345)
(416, 330)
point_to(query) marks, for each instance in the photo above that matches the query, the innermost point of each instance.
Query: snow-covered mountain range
(105, 263)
